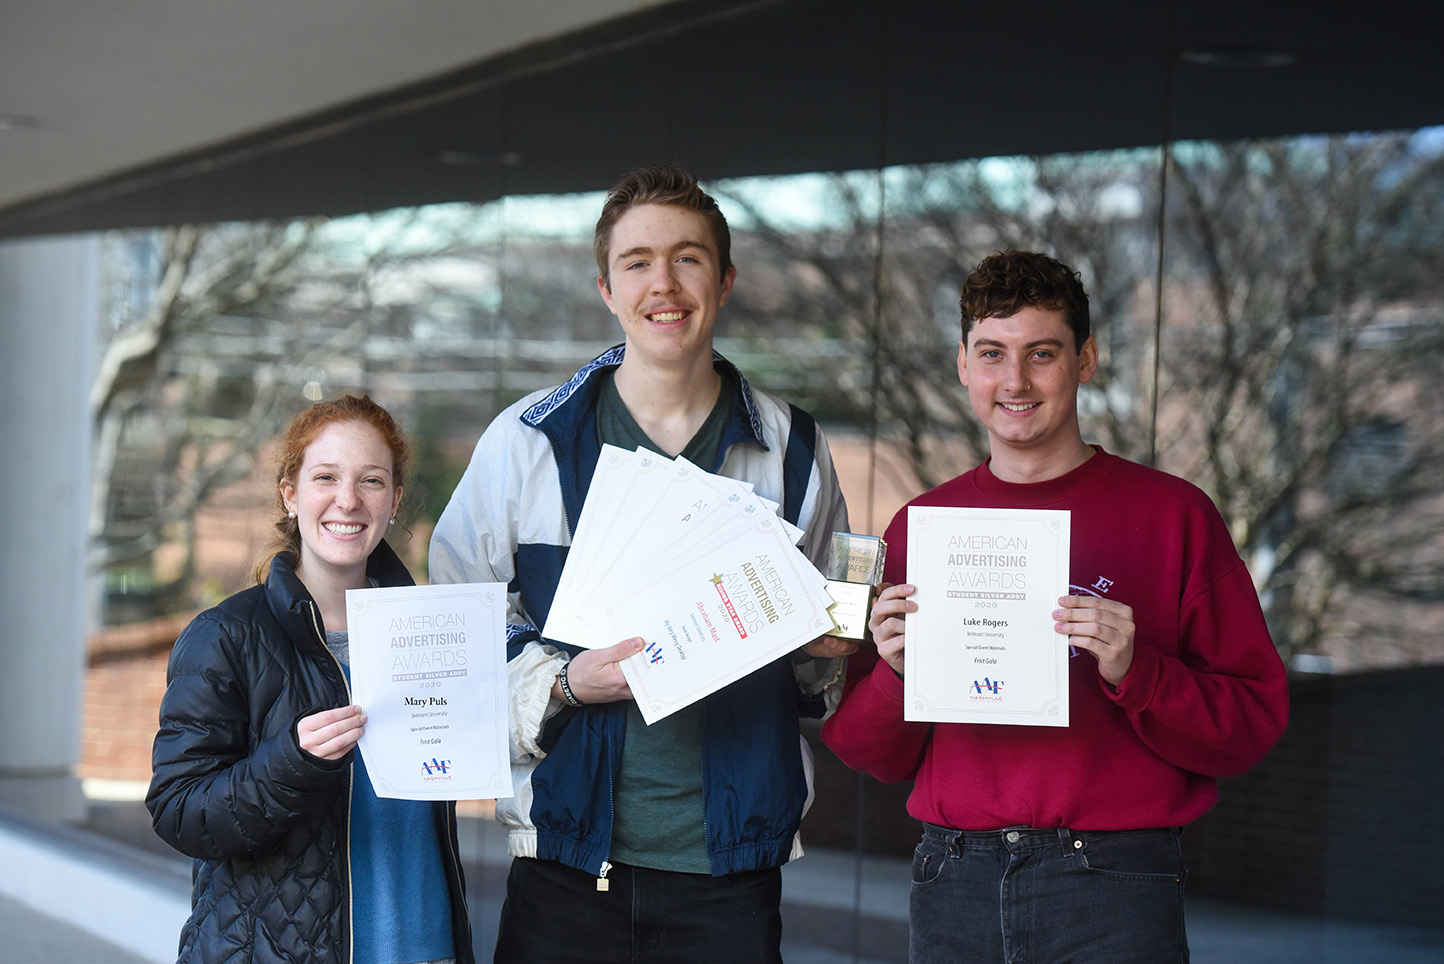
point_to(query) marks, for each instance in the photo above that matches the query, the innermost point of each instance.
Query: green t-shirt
(657, 796)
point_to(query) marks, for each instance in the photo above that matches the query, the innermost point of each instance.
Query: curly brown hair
(1007, 282)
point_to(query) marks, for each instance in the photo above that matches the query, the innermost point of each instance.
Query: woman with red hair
(255, 770)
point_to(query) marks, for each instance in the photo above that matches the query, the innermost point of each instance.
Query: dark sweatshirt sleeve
(212, 794)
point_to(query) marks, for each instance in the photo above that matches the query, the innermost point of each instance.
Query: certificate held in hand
(428, 668)
(698, 566)
(981, 647)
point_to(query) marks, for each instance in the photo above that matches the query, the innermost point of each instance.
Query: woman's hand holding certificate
(428, 668)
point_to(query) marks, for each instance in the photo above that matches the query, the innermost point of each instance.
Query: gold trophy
(854, 569)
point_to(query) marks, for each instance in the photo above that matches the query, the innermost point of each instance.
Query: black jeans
(1025, 896)
(554, 914)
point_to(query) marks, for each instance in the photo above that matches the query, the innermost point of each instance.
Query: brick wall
(124, 681)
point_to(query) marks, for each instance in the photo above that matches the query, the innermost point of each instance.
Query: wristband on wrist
(566, 687)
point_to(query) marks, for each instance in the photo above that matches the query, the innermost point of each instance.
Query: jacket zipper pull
(602, 882)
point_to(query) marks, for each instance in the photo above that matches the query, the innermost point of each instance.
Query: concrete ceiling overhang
(149, 113)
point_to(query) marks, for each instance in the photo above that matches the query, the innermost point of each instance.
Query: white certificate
(697, 565)
(631, 492)
(981, 647)
(735, 604)
(428, 667)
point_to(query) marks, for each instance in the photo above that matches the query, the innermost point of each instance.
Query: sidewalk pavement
(111, 893)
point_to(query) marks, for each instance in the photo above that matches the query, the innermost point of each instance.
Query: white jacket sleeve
(824, 511)
(476, 540)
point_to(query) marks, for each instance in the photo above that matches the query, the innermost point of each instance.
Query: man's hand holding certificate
(981, 647)
(694, 563)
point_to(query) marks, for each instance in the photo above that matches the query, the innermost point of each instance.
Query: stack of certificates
(695, 564)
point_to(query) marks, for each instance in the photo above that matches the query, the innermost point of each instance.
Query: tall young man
(1061, 843)
(636, 842)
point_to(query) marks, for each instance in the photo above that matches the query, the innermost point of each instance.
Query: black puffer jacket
(266, 821)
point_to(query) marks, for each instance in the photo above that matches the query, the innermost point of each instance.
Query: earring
(291, 514)
(393, 520)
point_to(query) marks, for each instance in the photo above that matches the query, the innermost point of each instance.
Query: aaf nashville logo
(988, 689)
(436, 769)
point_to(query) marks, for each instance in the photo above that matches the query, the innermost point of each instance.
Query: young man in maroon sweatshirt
(1061, 843)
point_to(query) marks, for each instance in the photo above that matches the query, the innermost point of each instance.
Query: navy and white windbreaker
(510, 520)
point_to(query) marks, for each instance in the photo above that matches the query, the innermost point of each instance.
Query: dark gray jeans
(1025, 896)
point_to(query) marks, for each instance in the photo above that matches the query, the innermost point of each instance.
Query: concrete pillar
(49, 324)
